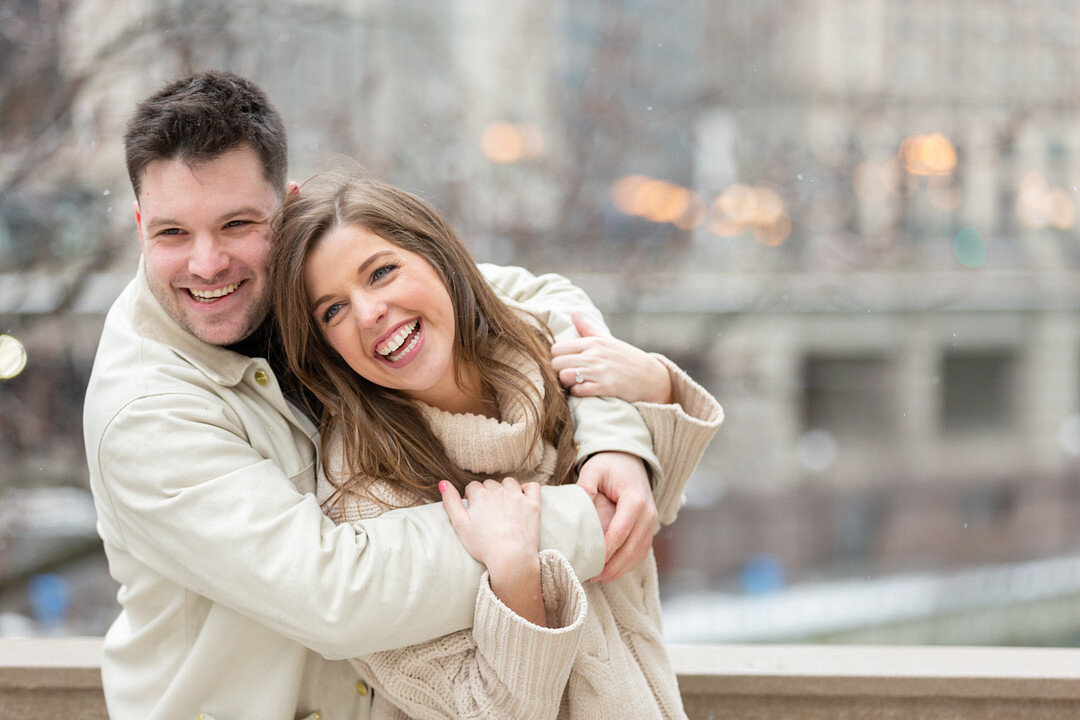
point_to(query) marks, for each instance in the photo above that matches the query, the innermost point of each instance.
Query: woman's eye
(236, 223)
(330, 312)
(382, 272)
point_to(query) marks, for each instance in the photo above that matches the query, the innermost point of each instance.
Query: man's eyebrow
(359, 271)
(232, 214)
(252, 210)
(158, 222)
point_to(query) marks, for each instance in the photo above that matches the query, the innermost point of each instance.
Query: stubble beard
(253, 317)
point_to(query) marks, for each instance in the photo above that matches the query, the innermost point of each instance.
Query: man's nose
(207, 258)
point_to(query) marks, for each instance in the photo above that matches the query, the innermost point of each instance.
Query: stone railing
(61, 679)
(58, 678)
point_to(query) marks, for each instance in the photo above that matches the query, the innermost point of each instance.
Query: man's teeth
(399, 337)
(208, 295)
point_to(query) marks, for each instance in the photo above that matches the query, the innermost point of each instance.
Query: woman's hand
(597, 364)
(501, 529)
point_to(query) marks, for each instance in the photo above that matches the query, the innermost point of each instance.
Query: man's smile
(207, 296)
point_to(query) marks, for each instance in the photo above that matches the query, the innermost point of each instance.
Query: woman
(434, 386)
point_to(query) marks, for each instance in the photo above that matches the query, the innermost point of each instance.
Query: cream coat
(239, 597)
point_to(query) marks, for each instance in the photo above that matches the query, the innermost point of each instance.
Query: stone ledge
(58, 663)
(881, 671)
(50, 678)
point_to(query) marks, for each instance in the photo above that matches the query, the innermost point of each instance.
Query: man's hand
(622, 479)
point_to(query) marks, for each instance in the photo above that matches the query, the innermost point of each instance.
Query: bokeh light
(931, 154)
(970, 248)
(624, 193)
(663, 201)
(721, 226)
(1039, 205)
(504, 142)
(775, 234)
(12, 357)
(658, 201)
(1062, 213)
(1069, 435)
(744, 208)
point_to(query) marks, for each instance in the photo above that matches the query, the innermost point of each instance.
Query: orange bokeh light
(624, 193)
(1039, 205)
(931, 154)
(760, 209)
(504, 142)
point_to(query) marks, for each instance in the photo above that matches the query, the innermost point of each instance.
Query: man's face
(205, 234)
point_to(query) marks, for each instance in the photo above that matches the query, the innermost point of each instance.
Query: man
(239, 598)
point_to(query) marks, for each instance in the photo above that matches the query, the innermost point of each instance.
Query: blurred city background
(854, 221)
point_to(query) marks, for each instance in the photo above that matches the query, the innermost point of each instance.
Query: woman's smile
(403, 345)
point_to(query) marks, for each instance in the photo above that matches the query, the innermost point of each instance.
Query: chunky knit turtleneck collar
(497, 446)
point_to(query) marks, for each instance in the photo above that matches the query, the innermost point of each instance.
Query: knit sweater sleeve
(505, 669)
(680, 431)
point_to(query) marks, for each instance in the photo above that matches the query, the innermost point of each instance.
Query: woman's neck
(471, 399)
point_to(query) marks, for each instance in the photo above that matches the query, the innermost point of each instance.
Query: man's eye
(237, 223)
(170, 231)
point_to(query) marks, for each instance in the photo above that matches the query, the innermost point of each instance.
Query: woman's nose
(370, 311)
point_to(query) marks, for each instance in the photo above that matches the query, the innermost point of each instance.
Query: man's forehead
(216, 188)
(239, 168)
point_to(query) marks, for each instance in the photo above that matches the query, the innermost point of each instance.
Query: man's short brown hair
(200, 118)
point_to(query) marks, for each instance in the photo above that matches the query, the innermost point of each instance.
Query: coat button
(361, 688)
(261, 377)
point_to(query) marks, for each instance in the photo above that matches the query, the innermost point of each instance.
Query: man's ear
(291, 188)
(138, 224)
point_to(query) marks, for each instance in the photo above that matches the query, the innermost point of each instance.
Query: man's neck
(259, 342)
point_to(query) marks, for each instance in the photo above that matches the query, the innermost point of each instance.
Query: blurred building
(890, 317)
(853, 222)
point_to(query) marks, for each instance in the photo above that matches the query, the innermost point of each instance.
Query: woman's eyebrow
(363, 266)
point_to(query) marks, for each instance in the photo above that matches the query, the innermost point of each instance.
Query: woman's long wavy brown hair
(385, 436)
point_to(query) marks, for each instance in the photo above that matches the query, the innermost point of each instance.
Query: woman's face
(385, 311)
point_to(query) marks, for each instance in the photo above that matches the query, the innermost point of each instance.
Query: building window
(977, 390)
(850, 397)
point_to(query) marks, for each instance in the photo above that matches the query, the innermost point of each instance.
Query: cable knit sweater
(603, 654)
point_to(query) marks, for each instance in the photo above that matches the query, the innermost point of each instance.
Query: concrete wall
(61, 679)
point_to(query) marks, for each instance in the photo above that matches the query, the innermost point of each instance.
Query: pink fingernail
(442, 486)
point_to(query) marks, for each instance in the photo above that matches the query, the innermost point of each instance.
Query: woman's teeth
(209, 295)
(395, 341)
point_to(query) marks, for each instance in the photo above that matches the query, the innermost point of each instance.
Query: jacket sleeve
(681, 431)
(600, 423)
(505, 669)
(190, 498)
